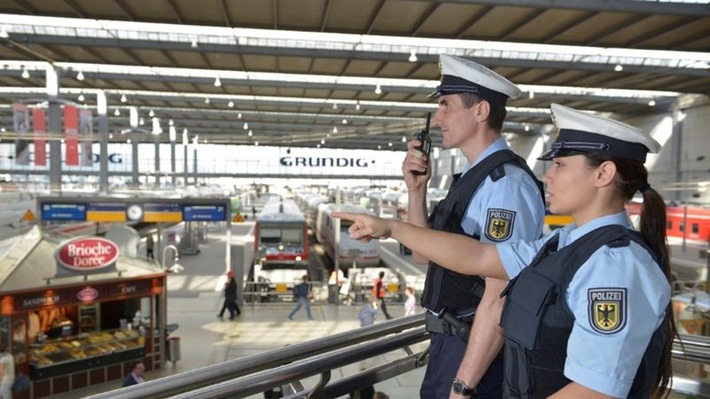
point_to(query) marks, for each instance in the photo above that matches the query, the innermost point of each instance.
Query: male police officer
(495, 199)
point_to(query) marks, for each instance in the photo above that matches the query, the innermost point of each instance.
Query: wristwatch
(460, 388)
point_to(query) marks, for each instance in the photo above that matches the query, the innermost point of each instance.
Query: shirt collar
(498, 145)
(571, 232)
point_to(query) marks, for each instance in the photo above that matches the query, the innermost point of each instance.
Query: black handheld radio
(425, 141)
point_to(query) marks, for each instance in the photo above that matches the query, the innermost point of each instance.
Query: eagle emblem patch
(607, 309)
(499, 224)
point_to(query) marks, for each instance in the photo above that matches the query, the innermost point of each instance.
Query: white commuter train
(332, 233)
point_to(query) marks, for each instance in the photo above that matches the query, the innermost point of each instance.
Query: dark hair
(497, 112)
(631, 177)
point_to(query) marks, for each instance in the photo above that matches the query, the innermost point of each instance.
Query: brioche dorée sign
(87, 254)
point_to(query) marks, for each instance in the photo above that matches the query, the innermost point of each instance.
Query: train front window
(281, 235)
(292, 236)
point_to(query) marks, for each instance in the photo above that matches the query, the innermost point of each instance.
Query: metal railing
(289, 366)
(254, 374)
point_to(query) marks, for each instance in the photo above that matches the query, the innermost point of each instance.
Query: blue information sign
(63, 212)
(205, 213)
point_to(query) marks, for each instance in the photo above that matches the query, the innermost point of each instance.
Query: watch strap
(461, 388)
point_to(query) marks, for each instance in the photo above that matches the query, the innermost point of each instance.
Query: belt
(448, 324)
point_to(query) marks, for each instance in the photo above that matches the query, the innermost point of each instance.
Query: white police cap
(459, 75)
(584, 132)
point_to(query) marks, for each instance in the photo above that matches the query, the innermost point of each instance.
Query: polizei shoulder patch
(499, 224)
(607, 309)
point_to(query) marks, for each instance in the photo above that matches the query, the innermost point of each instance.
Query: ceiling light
(378, 89)
(531, 95)
(123, 98)
(193, 43)
(357, 105)
(204, 141)
(389, 144)
(230, 104)
(3, 130)
(246, 126)
(117, 112)
(239, 115)
(81, 97)
(217, 82)
(141, 122)
(110, 136)
(618, 68)
(412, 56)
(335, 129)
(3, 33)
(317, 145)
(151, 113)
(171, 123)
(80, 76)
(404, 139)
(25, 73)
(379, 147)
(652, 103)
(322, 141)
(256, 143)
(207, 100)
(345, 121)
(335, 105)
(527, 128)
(250, 133)
(128, 141)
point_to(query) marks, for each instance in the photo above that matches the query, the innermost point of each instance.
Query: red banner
(71, 135)
(39, 122)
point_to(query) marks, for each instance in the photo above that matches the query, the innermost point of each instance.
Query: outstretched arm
(455, 252)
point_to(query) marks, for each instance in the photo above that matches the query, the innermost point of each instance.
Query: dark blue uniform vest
(445, 289)
(537, 322)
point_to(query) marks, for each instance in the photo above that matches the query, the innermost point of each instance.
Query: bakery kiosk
(75, 312)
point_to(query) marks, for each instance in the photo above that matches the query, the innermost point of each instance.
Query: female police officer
(587, 311)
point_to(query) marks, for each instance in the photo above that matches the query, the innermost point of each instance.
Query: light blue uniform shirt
(512, 206)
(604, 362)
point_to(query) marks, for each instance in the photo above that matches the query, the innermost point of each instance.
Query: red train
(280, 243)
(677, 218)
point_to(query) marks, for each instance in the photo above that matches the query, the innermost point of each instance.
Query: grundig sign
(87, 254)
(340, 162)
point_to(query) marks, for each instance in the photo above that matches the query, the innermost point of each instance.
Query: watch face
(134, 212)
(461, 389)
(458, 387)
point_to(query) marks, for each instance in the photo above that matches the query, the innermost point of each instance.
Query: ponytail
(632, 177)
(653, 229)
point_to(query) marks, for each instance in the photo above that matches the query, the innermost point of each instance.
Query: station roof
(305, 72)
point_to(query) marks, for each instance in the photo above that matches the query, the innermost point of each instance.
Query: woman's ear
(606, 172)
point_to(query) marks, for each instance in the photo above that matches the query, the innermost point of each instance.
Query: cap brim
(548, 155)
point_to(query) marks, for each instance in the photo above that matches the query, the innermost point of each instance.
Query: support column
(172, 156)
(157, 161)
(134, 160)
(101, 108)
(54, 127)
(194, 159)
(185, 142)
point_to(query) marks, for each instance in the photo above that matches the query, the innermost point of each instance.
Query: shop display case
(73, 353)
(89, 316)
